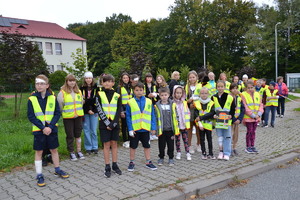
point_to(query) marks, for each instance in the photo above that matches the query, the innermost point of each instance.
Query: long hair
(66, 88)
(148, 75)
(45, 78)
(86, 85)
(194, 73)
(164, 83)
(121, 83)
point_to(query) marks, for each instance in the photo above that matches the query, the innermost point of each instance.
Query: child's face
(258, 84)
(176, 77)
(220, 87)
(250, 88)
(164, 96)
(235, 79)
(125, 79)
(108, 84)
(178, 93)
(223, 77)
(149, 79)
(133, 83)
(245, 80)
(71, 83)
(88, 80)
(138, 92)
(204, 94)
(271, 87)
(211, 76)
(159, 80)
(41, 87)
(234, 91)
(192, 78)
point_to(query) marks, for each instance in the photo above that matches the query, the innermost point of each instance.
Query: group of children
(147, 111)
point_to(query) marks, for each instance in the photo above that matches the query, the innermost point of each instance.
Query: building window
(49, 50)
(51, 68)
(59, 67)
(58, 49)
(40, 45)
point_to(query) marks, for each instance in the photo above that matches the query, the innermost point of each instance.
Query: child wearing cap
(43, 112)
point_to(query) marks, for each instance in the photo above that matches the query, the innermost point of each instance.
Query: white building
(56, 43)
(293, 80)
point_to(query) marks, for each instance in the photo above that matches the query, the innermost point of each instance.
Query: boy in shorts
(44, 112)
(108, 103)
(140, 118)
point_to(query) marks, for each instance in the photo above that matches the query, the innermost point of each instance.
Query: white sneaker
(73, 157)
(220, 156)
(194, 130)
(151, 137)
(192, 150)
(226, 157)
(126, 144)
(199, 148)
(154, 137)
(188, 156)
(178, 156)
(281, 116)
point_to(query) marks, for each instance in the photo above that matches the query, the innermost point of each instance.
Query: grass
(292, 97)
(297, 109)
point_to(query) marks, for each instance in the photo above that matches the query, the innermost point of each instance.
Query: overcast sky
(64, 12)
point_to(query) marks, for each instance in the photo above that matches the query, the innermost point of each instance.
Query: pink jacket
(249, 112)
(180, 107)
(284, 89)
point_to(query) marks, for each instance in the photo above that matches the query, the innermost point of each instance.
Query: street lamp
(276, 58)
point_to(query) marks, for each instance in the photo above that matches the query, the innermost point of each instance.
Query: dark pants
(209, 141)
(167, 138)
(280, 108)
(124, 130)
(73, 128)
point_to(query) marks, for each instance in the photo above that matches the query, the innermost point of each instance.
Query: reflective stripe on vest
(261, 91)
(72, 107)
(226, 107)
(140, 120)
(49, 111)
(269, 101)
(227, 86)
(174, 120)
(154, 90)
(125, 96)
(197, 90)
(253, 105)
(187, 116)
(207, 124)
(109, 108)
(238, 107)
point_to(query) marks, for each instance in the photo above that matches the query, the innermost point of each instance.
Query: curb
(204, 186)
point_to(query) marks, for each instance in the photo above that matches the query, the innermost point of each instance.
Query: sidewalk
(275, 145)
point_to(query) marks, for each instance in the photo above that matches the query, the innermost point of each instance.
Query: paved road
(278, 184)
(87, 180)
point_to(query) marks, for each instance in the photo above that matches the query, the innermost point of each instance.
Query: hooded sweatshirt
(179, 107)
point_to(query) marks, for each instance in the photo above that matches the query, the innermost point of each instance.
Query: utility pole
(276, 56)
(204, 58)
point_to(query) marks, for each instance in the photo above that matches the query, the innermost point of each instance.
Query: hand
(192, 105)
(197, 119)
(151, 95)
(91, 112)
(216, 117)
(108, 128)
(131, 133)
(229, 116)
(190, 100)
(47, 131)
(123, 115)
(237, 122)
(201, 128)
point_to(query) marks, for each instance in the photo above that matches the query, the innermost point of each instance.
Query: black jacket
(89, 103)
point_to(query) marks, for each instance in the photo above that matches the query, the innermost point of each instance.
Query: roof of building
(36, 29)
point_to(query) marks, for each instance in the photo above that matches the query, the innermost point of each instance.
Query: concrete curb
(204, 186)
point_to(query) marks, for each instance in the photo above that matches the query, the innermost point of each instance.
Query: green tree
(57, 79)
(117, 68)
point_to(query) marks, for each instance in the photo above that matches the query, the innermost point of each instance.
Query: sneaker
(40, 180)
(265, 126)
(278, 115)
(151, 137)
(151, 166)
(211, 157)
(220, 156)
(171, 162)
(126, 144)
(226, 157)
(80, 155)
(188, 156)
(62, 174)
(116, 169)
(281, 116)
(254, 150)
(199, 148)
(234, 152)
(154, 137)
(131, 167)
(73, 156)
(204, 157)
(107, 173)
(89, 152)
(192, 151)
(194, 130)
(272, 125)
(248, 150)
(160, 161)
(178, 156)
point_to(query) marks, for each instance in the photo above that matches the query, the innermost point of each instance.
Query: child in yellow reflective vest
(44, 113)
(167, 125)
(270, 99)
(183, 112)
(205, 112)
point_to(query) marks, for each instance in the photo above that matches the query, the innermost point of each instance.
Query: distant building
(293, 81)
(56, 43)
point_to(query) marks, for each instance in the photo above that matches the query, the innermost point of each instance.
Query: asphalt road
(278, 184)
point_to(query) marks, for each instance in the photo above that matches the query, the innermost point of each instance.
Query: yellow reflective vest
(109, 108)
(187, 116)
(269, 101)
(252, 103)
(125, 96)
(49, 111)
(72, 108)
(211, 88)
(154, 90)
(174, 120)
(140, 120)
(226, 107)
(227, 86)
(207, 124)
(238, 107)
(197, 90)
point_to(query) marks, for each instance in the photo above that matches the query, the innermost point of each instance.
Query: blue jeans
(273, 111)
(90, 125)
(224, 138)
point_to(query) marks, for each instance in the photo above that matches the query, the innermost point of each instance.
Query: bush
(57, 79)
